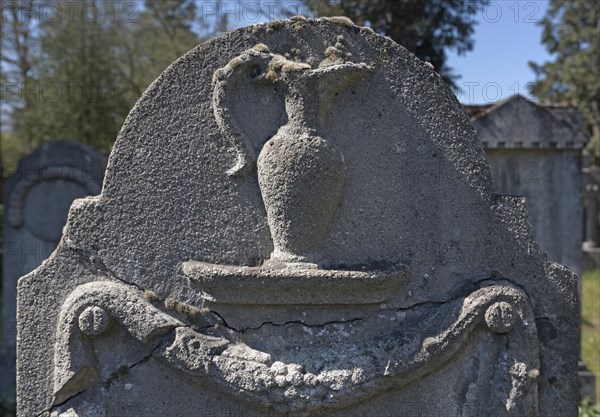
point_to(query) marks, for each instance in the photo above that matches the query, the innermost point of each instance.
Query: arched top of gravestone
(75, 169)
(175, 112)
(182, 180)
(58, 153)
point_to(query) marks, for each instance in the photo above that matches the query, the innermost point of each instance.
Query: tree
(571, 33)
(161, 34)
(79, 94)
(426, 28)
(93, 60)
(18, 49)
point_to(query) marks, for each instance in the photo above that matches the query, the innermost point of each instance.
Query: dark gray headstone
(37, 200)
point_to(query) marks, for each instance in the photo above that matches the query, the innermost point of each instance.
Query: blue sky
(506, 38)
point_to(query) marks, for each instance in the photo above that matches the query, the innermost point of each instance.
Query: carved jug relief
(301, 174)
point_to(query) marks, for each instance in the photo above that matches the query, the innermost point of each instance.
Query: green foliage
(590, 323)
(571, 33)
(80, 74)
(18, 58)
(586, 409)
(12, 149)
(426, 28)
(79, 92)
(161, 34)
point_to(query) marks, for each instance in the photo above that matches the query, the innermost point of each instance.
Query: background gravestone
(535, 151)
(37, 200)
(298, 219)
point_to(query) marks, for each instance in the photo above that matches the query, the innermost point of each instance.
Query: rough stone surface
(37, 200)
(388, 279)
(535, 151)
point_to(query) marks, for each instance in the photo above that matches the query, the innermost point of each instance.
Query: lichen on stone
(151, 296)
(339, 20)
(172, 304)
(217, 76)
(299, 22)
(275, 24)
(299, 25)
(280, 65)
(298, 18)
(261, 47)
(332, 57)
(235, 62)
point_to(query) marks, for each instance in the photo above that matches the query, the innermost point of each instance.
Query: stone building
(535, 151)
(591, 197)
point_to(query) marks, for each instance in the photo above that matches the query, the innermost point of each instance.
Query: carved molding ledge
(293, 285)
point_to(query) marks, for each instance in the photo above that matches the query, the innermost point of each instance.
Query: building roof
(516, 122)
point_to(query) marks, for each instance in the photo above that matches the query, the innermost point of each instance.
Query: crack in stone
(49, 410)
(312, 326)
(424, 303)
(99, 265)
(492, 277)
(223, 322)
(115, 374)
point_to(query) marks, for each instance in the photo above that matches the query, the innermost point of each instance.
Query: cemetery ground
(590, 327)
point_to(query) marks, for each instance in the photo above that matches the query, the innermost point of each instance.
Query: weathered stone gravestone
(535, 151)
(298, 219)
(37, 200)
